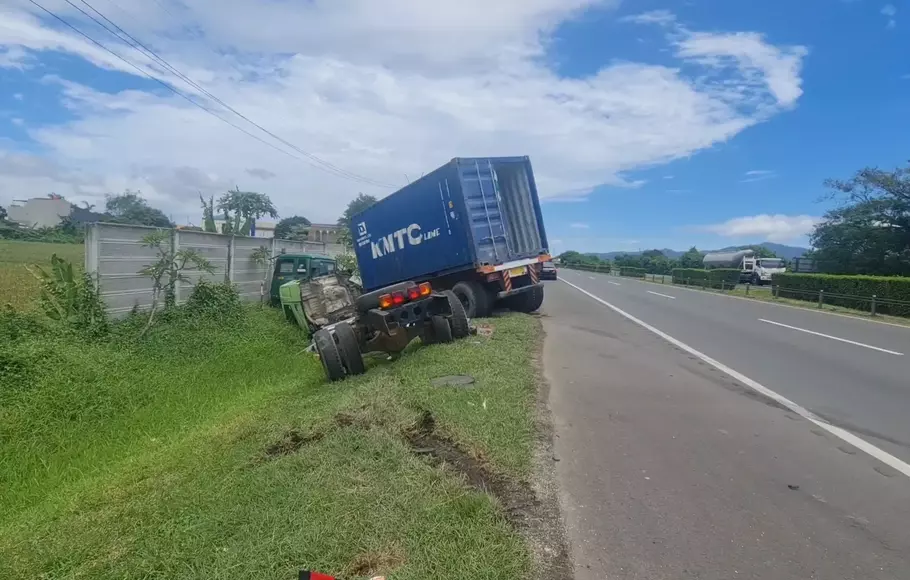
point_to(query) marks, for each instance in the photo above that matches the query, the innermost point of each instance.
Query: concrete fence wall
(114, 254)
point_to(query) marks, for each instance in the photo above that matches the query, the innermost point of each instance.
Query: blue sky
(649, 124)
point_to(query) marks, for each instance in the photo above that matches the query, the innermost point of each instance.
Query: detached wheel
(529, 301)
(441, 330)
(349, 347)
(474, 298)
(329, 355)
(459, 318)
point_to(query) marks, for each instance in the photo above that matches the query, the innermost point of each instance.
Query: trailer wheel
(349, 347)
(529, 301)
(459, 319)
(329, 355)
(475, 299)
(442, 331)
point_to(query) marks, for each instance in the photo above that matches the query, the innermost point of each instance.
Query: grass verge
(217, 451)
(17, 286)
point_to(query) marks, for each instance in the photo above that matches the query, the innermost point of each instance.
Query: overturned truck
(346, 324)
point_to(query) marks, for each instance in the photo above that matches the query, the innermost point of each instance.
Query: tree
(356, 205)
(761, 251)
(870, 232)
(3, 214)
(246, 206)
(692, 259)
(293, 228)
(208, 214)
(167, 271)
(131, 208)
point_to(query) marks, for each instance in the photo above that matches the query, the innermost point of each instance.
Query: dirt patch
(518, 500)
(291, 442)
(376, 563)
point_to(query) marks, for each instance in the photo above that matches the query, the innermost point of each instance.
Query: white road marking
(859, 317)
(842, 434)
(614, 283)
(659, 294)
(831, 337)
(590, 277)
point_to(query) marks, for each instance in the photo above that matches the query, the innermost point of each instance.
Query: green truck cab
(302, 267)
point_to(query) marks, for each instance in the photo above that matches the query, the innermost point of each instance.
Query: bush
(71, 298)
(632, 272)
(848, 291)
(720, 278)
(219, 300)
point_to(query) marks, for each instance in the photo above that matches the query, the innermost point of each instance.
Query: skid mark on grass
(518, 500)
(292, 441)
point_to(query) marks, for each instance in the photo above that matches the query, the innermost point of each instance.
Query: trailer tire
(349, 347)
(459, 319)
(475, 299)
(329, 355)
(529, 301)
(442, 330)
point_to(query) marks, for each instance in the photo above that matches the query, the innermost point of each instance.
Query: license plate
(517, 271)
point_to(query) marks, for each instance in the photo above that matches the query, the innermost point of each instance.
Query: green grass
(17, 286)
(221, 453)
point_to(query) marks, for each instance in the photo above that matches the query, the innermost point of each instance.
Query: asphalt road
(670, 468)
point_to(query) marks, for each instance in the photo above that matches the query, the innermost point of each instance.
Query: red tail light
(413, 293)
(425, 289)
(397, 298)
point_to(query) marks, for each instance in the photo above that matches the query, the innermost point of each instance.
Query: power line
(310, 158)
(136, 44)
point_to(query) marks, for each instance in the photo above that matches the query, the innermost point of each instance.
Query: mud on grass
(289, 472)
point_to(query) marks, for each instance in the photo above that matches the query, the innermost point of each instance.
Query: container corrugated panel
(470, 212)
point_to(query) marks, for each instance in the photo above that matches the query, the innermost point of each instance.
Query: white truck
(755, 271)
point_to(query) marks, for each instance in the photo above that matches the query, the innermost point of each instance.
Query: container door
(485, 215)
(514, 190)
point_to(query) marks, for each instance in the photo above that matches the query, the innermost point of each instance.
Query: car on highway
(548, 271)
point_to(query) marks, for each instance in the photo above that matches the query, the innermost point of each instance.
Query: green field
(17, 286)
(162, 459)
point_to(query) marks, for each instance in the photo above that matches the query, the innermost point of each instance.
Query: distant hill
(782, 250)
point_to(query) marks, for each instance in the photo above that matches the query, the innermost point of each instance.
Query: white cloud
(383, 90)
(18, 96)
(17, 121)
(890, 12)
(663, 17)
(579, 226)
(773, 228)
(758, 175)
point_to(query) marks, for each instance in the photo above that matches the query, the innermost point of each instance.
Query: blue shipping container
(468, 214)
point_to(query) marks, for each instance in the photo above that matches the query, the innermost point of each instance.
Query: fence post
(873, 305)
(775, 291)
(175, 247)
(704, 284)
(663, 278)
(229, 273)
(747, 289)
(723, 285)
(821, 298)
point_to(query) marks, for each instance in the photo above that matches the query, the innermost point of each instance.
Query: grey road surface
(864, 390)
(671, 469)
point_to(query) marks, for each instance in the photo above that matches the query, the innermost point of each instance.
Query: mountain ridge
(782, 251)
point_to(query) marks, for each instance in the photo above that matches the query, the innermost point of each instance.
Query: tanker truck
(752, 270)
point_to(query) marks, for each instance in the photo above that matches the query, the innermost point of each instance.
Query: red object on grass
(307, 575)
